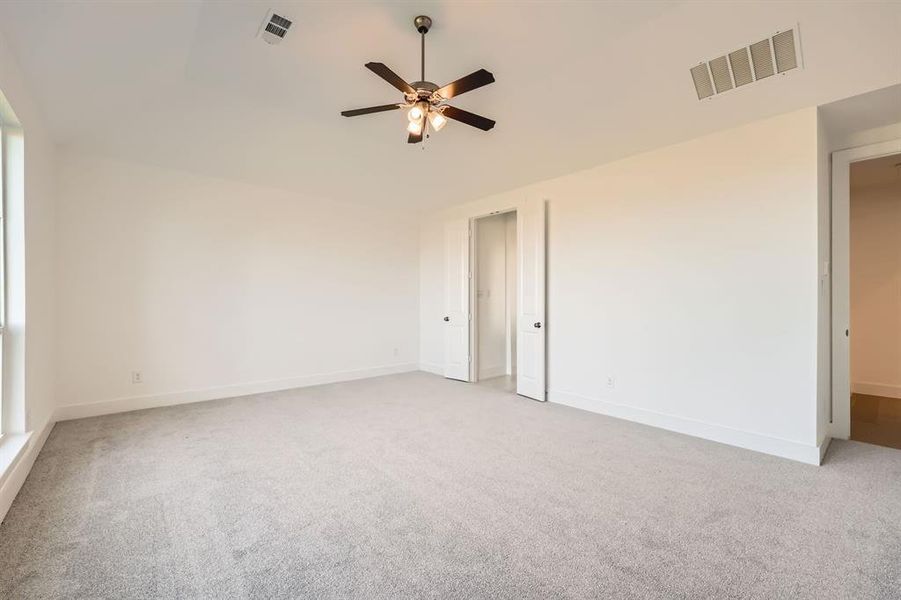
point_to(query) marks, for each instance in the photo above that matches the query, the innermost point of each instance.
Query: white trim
(474, 374)
(106, 407)
(886, 390)
(432, 368)
(24, 449)
(823, 447)
(841, 277)
(790, 449)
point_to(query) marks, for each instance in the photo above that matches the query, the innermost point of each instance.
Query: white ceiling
(188, 85)
(846, 119)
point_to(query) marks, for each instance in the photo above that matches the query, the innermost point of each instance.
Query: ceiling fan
(425, 100)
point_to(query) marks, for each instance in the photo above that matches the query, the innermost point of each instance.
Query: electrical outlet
(396, 351)
(611, 381)
(137, 377)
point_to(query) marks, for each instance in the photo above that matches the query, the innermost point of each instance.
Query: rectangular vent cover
(701, 77)
(741, 67)
(722, 80)
(275, 28)
(784, 47)
(779, 53)
(762, 57)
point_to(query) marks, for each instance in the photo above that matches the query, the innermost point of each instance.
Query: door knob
(538, 325)
(447, 318)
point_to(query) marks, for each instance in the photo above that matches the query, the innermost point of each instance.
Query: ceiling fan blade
(390, 76)
(466, 84)
(477, 121)
(372, 109)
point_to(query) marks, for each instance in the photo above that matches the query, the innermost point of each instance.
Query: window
(2, 267)
(14, 412)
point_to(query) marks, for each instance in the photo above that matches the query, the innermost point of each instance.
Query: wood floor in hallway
(876, 420)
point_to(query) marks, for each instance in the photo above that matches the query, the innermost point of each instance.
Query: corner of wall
(824, 268)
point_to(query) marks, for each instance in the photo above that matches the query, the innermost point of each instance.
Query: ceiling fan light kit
(426, 102)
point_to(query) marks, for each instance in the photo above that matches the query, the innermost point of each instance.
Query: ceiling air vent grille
(784, 47)
(779, 53)
(762, 57)
(741, 67)
(701, 77)
(719, 68)
(275, 28)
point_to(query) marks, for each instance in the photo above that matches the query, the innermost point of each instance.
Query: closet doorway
(478, 347)
(494, 301)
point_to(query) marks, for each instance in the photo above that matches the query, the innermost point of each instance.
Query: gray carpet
(414, 486)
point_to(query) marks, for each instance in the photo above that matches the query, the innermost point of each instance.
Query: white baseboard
(20, 466)
(107, 407)
(432, 368)
(708, 431)
(824, 445)
(886, 390)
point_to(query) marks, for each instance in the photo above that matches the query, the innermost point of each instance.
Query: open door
(531, 329)
(456, 300)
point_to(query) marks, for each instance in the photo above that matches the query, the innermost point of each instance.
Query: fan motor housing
(424, 89)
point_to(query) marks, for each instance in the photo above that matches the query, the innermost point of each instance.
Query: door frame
(841, 278)
(473, 289)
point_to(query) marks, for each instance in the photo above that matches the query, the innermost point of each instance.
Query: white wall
(876, 289)
(491, 294)
(689, 274)
(211, 287)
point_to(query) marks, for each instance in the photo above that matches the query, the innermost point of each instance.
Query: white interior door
(530, 341)
(841, 295)
(456, 300)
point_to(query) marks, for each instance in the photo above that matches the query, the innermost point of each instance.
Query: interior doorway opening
(875, 300)
(528, 364)
(494, 300)
(843, 332)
